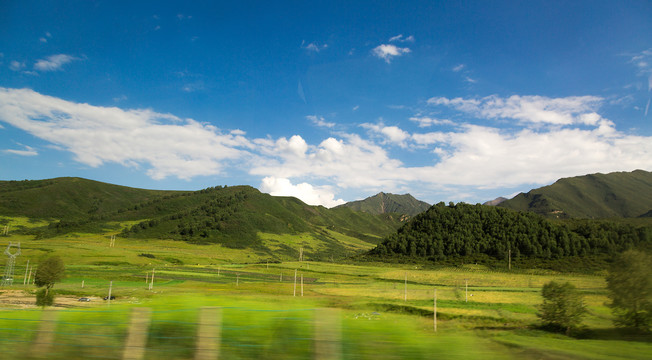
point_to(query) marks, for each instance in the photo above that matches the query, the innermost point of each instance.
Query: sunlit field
(372, 310)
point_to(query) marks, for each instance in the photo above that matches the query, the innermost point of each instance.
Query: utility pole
(405, 296)
(509, 255)
(110, 288)
(151, 283)
(295, 282)
(26, 269)
(435, 310)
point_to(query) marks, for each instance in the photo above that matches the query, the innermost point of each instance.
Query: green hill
(383, 203)
(68, 198)
(236, 217)
(618, 194)
(489, 233)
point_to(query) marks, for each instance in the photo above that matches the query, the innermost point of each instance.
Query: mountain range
(236, 216)
(243, 217)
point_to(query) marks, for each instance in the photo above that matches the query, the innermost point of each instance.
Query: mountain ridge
(387, 203)
(612, 195)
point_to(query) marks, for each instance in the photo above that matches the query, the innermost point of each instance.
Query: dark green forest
(462, 230)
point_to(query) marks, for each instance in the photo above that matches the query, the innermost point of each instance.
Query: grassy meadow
(481, 313)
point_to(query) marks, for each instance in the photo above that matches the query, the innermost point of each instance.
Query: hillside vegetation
(69, 198)
(480, 232)
(618, 194)
(236, 217)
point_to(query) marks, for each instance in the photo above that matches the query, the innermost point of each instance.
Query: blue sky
(327, 101)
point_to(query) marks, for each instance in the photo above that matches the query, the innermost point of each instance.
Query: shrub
(630, 288)
(562, 307)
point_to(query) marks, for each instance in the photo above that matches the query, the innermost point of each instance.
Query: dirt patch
(22, 299)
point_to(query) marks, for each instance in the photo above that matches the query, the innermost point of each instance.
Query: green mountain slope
(619, 194)
(68, 198)
(236, 217)
(383, 203)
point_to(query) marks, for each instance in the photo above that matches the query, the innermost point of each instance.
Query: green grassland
(482, 312)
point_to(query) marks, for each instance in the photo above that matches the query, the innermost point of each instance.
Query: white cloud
(486, 157)
(394, 134)
(320, 121)
(53, 62)
(430, 138)
(459, 68)
(167, 145)
(447, 162)
(400, 38)
(313, 46)
(45, 38)
(192, 87)
(28, 151)
(295, 147)
(388, 51)
(426, 121)
(526, 109)
(311, 195)
(350, 162)
(391, 134)
(16, 65)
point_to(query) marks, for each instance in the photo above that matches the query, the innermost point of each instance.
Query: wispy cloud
(120, 98)
(164, 144)
(53, 62)
(44, 39)
(388, 51)
(313, 46)
(528, 109)
(400, 38)
(426, 121)
(28, 151)
(320, 121)
(459, 68)
(16, 65)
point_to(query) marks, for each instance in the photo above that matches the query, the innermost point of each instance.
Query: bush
(562, 307)
(630, 285)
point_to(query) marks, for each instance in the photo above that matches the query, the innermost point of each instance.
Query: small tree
(44, 298)
(562, 306)
(630, 288)
(48, 272)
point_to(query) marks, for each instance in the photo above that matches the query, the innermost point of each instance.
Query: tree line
(458, 230)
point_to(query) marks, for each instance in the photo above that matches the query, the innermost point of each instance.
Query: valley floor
(377, 311)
